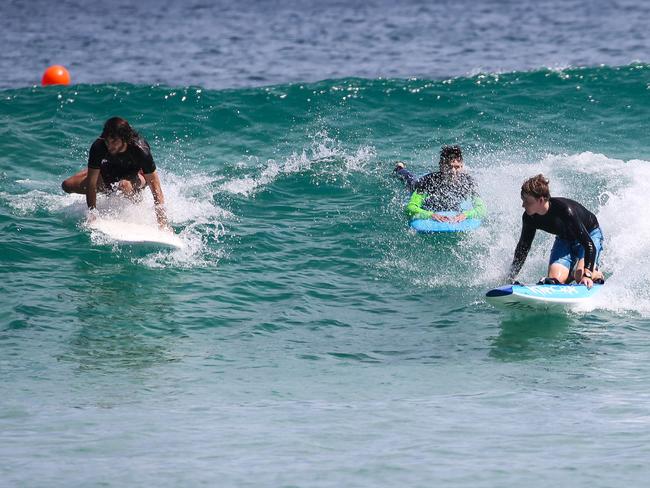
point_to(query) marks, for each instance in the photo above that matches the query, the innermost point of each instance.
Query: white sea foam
(617, 192)
(624, 218)
(190, 206)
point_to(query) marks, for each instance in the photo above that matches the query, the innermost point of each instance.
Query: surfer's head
(451, 160)
(118, 134)
(535, 194)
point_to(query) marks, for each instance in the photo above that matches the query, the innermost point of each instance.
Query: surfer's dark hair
(449, 153)
(537, 187)
(118, 128)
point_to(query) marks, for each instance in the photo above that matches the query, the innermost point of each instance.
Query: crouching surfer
(119, 160)
(449, 189)
(576, 252)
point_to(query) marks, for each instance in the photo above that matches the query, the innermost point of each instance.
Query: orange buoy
(56, 75)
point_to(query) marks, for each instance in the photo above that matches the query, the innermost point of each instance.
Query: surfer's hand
(458, 218)
(588, 282)
(161, 217)
(440, 218)
(91, 215)
(165, 227)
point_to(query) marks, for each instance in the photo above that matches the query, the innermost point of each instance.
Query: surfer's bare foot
(598, 277)
(548, 280)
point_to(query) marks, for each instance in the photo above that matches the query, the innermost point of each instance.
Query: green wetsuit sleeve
(414, 208)
(478, 210)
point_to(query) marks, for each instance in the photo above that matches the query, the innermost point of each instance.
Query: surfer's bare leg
(580, 269)
(559, 272)
(131, 188)
(78, 183)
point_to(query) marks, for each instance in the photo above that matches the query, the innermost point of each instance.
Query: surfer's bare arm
(158, 198)
(91, 187)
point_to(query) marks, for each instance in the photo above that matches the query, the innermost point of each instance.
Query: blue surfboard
(541, 296)
(429, 226)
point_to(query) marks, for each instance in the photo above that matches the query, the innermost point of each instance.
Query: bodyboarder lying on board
(448, 189)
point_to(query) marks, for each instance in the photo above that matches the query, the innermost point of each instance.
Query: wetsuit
(576, 229)
(122, 166)
(436, 192)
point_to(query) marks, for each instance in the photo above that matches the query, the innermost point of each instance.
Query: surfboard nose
(502, 291)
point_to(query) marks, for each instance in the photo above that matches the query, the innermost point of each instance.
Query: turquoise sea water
(304, 337)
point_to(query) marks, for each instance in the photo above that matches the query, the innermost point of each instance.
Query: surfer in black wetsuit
(119, 160)
(576, 251)
(444, 190)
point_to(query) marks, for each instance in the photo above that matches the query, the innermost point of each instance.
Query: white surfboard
(131, 233)
(541, 297)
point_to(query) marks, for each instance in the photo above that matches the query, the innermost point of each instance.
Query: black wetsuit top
(126, 165)
(566, 219)
(445, 192)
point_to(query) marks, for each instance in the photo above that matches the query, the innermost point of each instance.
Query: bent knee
(125, 186)
(66, 186)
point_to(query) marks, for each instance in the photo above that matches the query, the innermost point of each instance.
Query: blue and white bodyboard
(541, 296)
(430, 226)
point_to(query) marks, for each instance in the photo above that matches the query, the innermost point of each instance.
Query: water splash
(190, 206)
(317, 157)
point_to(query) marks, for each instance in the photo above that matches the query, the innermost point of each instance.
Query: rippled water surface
(303, 336)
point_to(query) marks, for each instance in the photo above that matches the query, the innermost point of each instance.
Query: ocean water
(222, 44)
(303, 336)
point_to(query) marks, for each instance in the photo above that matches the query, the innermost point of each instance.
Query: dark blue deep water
(303, 337)
(222, 44)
